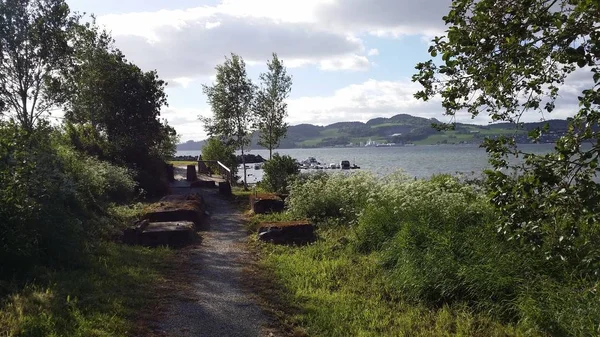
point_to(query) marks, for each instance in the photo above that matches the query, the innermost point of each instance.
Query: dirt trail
(216, 303)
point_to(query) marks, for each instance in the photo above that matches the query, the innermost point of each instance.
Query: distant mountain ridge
(399, 129)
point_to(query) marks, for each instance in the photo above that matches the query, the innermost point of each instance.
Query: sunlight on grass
(341, 293)
(177, 163)
(100, 299)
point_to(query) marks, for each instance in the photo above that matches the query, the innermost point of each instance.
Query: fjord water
(418, 161)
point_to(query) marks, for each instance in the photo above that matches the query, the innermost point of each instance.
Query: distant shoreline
(370, 147)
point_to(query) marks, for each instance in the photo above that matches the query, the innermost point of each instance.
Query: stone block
(265, 203)
(174, 234)
(171, 208)
(295, 232)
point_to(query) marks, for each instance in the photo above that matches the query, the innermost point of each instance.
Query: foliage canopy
(215, 149)
(270, 106)
(230, 98)
(278, 171)
(509, 58)
(34, 46)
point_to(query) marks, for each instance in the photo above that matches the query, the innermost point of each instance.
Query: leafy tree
(508, 58)
(278, 171)
(270, 107)
(33, 47)
(113, 108)
(230, 98)
(215, 149)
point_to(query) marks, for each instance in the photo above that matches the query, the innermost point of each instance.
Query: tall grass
(423, 254)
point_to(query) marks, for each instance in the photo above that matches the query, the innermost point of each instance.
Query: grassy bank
(115, 288)
(404, 257)
(336, 292)
(109, 289)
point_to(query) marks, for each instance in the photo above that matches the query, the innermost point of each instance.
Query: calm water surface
(418, 161)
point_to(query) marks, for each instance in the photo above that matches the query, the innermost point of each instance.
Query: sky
(351, 60)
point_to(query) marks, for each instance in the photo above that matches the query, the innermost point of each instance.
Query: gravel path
(219, 305)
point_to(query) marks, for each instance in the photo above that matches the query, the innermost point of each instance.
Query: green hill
(400, 128)
(404, 128)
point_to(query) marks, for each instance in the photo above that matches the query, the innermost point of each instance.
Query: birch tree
(271, 108)
(230, 98)
(33, 47)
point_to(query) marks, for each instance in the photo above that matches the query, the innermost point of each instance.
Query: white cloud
(350, 62)
(191, 50)
(190, 42)
(186, 122)
(373, 52)
(182, 81)
(361, 102)
(373, 98)
(386, 17)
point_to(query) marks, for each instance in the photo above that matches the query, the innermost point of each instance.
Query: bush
(215, 149)
(50, 198)
(278, 171)
(438, 242)
(326, 197)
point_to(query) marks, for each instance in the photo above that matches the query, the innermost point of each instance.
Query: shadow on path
(218, 304)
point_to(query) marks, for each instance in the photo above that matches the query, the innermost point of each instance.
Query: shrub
(438, 242)
(215, 149)
(50, 197)
(326, 197)
(278, 172)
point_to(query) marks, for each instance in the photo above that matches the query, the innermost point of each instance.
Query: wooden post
(191, 173)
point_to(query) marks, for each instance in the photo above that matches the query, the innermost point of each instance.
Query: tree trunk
(270, 142)
(244, 164)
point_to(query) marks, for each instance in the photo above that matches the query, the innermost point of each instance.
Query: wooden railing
(205, 166)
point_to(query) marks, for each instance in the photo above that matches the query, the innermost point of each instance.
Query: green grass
(331, 133)
(103, 298)
(182, 162)
(105, 295)
(311, 142)
(337, 292)
(387, 124)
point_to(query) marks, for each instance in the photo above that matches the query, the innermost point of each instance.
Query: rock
(296, 232)
(191, 173)
(250, 159)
